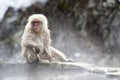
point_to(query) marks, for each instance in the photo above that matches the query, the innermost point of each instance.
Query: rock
(56, 70)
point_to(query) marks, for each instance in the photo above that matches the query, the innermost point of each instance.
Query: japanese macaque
(36, 41)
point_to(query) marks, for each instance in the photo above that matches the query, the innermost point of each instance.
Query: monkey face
(36, 25)
(38, 22)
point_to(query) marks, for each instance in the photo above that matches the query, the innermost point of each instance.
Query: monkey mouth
(36, 28)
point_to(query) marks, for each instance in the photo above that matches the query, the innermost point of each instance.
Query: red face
(36, 25)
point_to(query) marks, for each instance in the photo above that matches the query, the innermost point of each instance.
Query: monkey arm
(58, 54)
(29, 43)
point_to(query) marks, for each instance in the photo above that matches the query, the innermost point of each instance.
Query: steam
(16, 4)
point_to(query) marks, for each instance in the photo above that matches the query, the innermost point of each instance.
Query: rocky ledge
(56, 71)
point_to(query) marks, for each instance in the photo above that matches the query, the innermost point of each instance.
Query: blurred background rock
(85, 30)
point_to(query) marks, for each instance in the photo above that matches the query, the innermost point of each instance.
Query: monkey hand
(36, 50)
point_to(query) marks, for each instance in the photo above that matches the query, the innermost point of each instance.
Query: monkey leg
(31, 57)
(58, 54)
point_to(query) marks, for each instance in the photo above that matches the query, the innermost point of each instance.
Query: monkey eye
(34, 22)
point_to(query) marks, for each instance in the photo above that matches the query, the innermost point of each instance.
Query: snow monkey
(36, 41)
